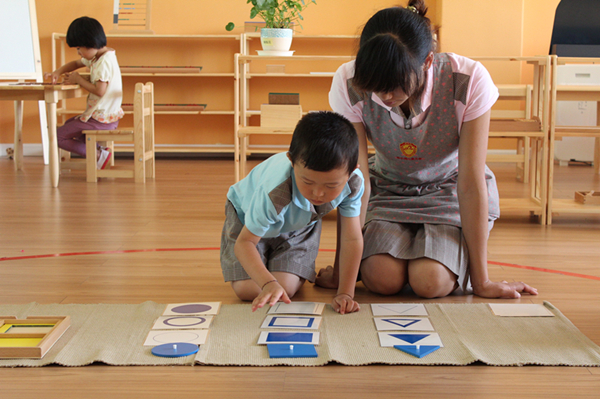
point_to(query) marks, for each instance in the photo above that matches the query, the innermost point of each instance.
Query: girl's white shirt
(105, 109)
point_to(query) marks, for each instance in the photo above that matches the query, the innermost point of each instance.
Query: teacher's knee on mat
(430, 279)
(384, 274)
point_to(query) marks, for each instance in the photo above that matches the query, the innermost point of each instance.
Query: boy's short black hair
(324, 141)
(86, 32)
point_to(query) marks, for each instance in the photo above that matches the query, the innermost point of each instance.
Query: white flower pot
(273, 39)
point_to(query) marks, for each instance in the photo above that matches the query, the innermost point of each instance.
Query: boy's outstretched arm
(349, 251)
(245, 251)
(329, 276)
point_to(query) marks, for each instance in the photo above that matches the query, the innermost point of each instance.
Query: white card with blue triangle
(391, 323)
(398, 309)
(391, 339)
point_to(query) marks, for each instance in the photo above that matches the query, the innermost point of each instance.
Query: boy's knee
(291, 283)
(246, 290)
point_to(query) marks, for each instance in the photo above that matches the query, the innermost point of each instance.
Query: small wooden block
(284, 98)
(587, 197)
(280, 115)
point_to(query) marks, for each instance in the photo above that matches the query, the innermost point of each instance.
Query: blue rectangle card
(296, 350)
(288, 338)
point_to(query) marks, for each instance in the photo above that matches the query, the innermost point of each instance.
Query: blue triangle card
(410, 338)
(295, 350)
(402, 322)
(420, 351)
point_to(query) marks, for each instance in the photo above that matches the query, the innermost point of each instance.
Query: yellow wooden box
(32, 337)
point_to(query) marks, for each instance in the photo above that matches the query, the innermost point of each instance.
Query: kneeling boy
(272, 230)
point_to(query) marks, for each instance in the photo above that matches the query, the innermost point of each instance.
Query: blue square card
(296, 350)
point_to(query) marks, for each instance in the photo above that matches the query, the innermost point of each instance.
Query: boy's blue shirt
(268, 202)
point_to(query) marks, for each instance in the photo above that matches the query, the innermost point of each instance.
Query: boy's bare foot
(327, 278)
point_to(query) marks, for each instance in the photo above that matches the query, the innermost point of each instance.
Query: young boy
(272, 229)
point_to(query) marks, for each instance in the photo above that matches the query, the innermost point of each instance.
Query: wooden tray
(43, 333)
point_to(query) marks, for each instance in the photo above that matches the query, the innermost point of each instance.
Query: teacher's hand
(504, 289)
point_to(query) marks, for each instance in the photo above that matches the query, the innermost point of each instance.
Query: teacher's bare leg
(384, 274)
(431, 279)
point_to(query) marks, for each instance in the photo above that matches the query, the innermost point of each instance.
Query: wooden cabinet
(557, 206)
(177, 130)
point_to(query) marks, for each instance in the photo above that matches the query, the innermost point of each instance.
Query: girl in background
(103, 109)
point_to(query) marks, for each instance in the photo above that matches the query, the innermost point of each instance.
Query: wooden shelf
(209, 72)
(571, 206)
(291, 75)
(571, 93)
(206, 112)
(182, 75)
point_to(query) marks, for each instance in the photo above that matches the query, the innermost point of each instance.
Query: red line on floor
(129, 251)
(541, 269)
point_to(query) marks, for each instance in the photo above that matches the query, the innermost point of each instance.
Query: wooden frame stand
(9, 348)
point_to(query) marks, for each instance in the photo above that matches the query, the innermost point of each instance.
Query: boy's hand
(327, 278)
(271, 293)
(343, 303)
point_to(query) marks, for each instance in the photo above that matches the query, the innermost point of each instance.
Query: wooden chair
(275, 119)
(141, 134)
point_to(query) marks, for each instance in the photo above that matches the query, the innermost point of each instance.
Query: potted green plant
(279, 16)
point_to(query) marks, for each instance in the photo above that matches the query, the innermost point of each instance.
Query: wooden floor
(120, 242)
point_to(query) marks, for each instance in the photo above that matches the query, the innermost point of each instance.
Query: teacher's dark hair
(394, 45)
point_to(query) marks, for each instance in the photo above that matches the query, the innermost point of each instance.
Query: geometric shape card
(409, 339)
(297, 308)
(398, 309)
(304, 322)
(403, 324)
(182, 322)
(159, 337)
(417, 351)
(192, 308)
(277, 351)
(520, 310)
(293, 338)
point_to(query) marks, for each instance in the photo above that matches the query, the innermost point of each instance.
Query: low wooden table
(49, 93)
